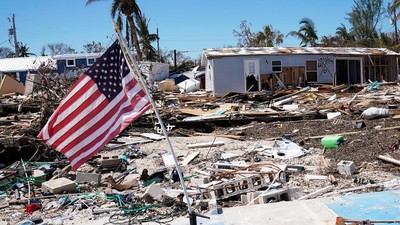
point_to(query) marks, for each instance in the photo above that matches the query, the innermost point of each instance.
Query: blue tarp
(369, 206)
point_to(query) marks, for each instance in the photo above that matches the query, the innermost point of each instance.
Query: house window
(252, 68)
(276, 66)
(70, 62)
(90, 61)
(311, 70)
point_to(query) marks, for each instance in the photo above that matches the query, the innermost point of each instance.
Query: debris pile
(233, 151)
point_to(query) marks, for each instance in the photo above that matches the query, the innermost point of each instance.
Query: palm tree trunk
(395, 27)
(135, 38)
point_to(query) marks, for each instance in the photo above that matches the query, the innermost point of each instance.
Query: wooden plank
(389, 159)
(202, 172)
(197, 112)
(206, 144)
(389, 128)
(331, 106)
(152, 136)
(236, 137)
(189, 158)
(318, 192)
(168, 160)
(257, 113)
(338, 134)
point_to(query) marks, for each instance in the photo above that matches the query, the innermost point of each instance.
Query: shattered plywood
(9, 85)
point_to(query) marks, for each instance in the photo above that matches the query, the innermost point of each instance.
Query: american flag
(101, 104)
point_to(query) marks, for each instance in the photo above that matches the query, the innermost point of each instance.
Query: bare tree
(6, 52)
(364, 19)
(245, 36)
(60, 49)
(94, 47)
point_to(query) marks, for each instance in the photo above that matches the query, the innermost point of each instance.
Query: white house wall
(226, 74)
(209, 77)
(229, 75)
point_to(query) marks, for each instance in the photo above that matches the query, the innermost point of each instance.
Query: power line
(3, 42)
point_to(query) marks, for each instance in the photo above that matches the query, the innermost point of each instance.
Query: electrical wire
(138, 213)
(4, 42)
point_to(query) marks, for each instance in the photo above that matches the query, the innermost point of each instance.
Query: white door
(252, 75)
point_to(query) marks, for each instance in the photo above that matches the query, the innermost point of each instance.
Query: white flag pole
(132, 62)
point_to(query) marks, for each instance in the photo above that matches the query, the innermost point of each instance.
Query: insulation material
(189, 85)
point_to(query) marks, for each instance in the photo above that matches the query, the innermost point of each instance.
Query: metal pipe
(154, 106)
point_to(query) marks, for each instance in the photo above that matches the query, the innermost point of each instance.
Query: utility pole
(13, 31)
(175, 67)
(158, 46)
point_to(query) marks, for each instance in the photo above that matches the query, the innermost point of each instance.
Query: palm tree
(344, 38)
(130, 9)
(328, 41)
(306, 33)
(393, 8)
(268, 37)
(146, 38)
(23, 50)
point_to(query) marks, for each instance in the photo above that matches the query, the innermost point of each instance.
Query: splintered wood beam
(389, 159)
(333, 106)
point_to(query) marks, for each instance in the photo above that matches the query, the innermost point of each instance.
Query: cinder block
(243, 199)
(275, 195)
(59, 185)
(112, 161)
(82, 178)
(212, 206)
(39, 177)
(253, 197)
(346, 167)
(198, 181)
(153, 192)
(239, 186)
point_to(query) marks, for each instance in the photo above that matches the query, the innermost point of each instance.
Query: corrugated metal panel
(225, 52)
(24, 63)
(77, 56)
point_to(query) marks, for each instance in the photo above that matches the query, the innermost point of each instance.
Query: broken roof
(213, 53)
(23, 63)
(79, 55)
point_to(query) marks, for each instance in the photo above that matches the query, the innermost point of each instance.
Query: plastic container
(332, 141)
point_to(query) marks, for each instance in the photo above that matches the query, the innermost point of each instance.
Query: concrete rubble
(234, 151)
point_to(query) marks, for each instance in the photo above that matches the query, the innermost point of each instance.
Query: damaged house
(17, 74)
(244, 70)
(72, 65)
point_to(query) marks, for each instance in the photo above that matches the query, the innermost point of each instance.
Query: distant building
(245, 70)
(21, 67)
(76, 64)
(70, 65)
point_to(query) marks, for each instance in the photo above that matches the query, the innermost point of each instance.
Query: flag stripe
(89, 132)
(82, 147)
(94, 111)
(81, 113)
(80, 99)
(87, 126)
(83, 157)
(101, 104)
(76, 87)
(94, 145)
